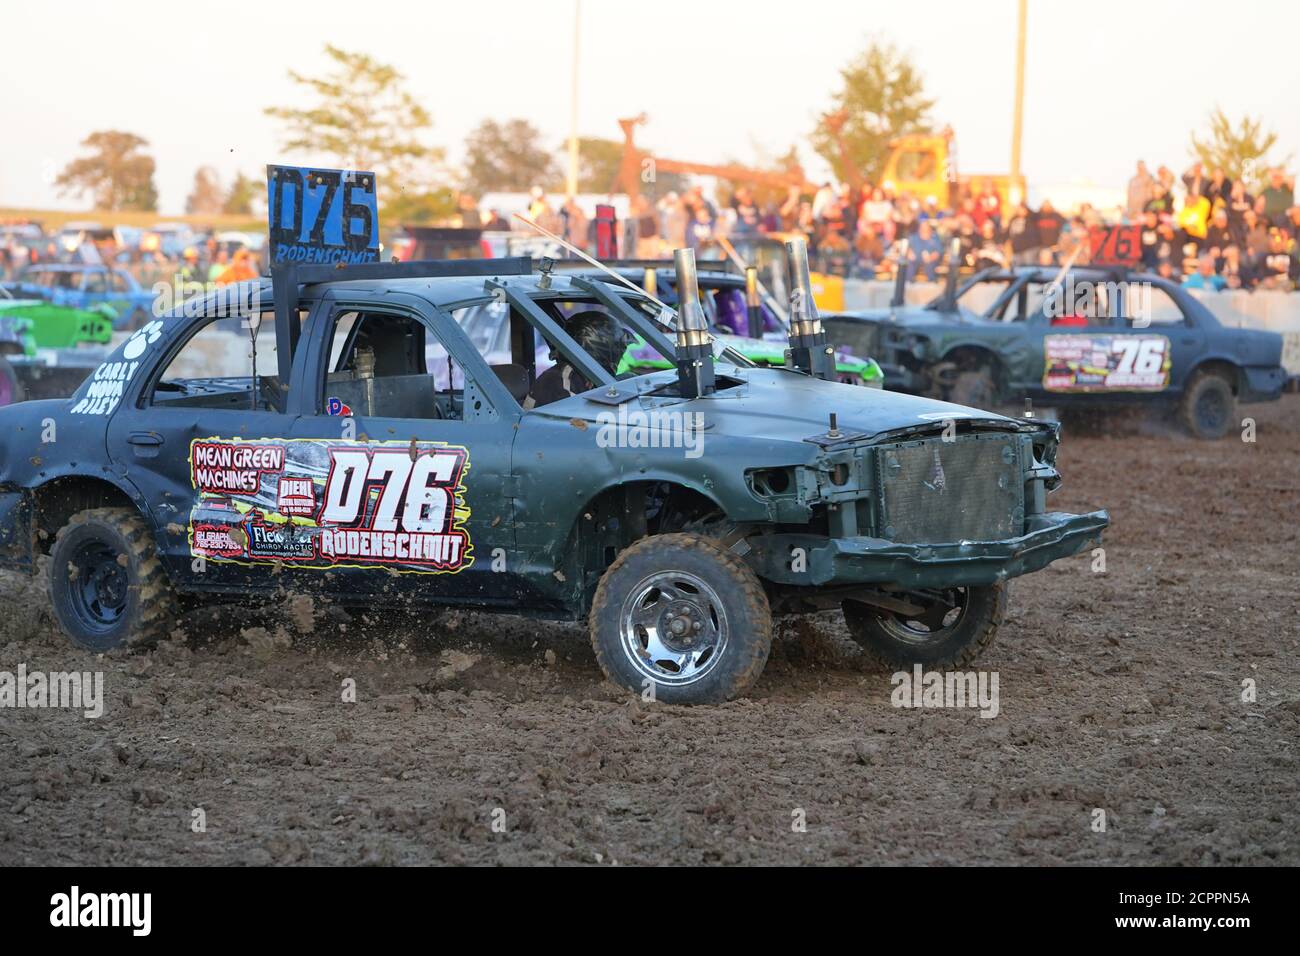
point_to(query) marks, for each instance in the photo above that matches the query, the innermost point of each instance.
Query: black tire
(899, 642)
(975, 389)
(1208, 408)
(653, 579)
(11, 387)
(107, 586)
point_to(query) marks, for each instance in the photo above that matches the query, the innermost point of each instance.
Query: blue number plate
(322, 216)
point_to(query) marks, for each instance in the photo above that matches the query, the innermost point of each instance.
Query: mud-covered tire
(108, 588)
(11, 386)
(893, 642)
(668, 579)
(1208, 408)
(975, 388)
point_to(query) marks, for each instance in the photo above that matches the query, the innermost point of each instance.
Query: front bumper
(862, 560)
(1262, 384)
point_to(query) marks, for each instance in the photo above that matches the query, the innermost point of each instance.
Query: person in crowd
(1161, 202)
(496, 222)
(1218, 236)
(1205, 277)
(1149, 239)
(1140, 191)
(1194, 179)
(1278, 197)
(1279, 269)
(1049, 223)
(990, 252)
(1236, 274)
(748, 218)
(574, 223)
(1238, 203)
(988, 204)
(924, 252)
(220, 263)
(672, 220)
(1254, 237)
(1022, 233)
(1218, 188)
(699, 234)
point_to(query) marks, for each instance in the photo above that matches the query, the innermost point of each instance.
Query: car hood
(780, 405)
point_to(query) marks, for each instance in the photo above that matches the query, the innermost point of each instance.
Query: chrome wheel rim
(673, 628)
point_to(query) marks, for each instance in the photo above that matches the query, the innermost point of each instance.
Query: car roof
(441, 291)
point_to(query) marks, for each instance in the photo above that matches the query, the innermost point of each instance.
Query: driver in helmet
(600, 337)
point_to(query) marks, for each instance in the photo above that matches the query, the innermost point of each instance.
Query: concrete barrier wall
(1274, 311)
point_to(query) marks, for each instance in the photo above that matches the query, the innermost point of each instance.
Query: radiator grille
(937, 492)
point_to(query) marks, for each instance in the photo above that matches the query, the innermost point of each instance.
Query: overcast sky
(1108, 81)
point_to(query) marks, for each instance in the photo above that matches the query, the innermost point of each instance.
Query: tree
(882, 97)
(1240, 152)
(205, 198)
(244, 192)
(421, 208)
(598, 164)
(365, 119)
(506, 157)
(117, 175)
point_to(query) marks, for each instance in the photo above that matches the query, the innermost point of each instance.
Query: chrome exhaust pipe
(694, 344)
(808, 349)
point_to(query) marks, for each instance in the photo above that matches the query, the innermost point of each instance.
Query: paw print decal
(144, 337)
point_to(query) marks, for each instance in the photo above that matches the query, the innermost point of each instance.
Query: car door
(1085, 349)
(198, 437)
(408, 461)
(1156, 311)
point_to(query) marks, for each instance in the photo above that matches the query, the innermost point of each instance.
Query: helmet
(600, 337)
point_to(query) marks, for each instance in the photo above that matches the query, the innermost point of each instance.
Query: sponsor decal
(108, 382)
(338, 407)
(328, 504)
(1115, 363)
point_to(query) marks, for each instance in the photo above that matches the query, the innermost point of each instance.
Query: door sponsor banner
(1105, 363)
(326, 503)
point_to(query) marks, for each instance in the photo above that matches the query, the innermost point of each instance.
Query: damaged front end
(937, 507)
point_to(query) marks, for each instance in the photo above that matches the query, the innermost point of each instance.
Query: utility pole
(1018, 123)
(571, 184)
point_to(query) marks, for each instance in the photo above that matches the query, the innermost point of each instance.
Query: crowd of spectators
(200, 259)
(1204, 229)
(1213, 232)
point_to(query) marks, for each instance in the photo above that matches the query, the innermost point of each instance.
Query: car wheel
(107, 585)
(11, 388)
(952, 634)
(684, 615)
(1209, 408)
(975, 389)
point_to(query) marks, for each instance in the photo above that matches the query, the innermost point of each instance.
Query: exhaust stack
(950, 281)
(808, 350)
(900, 278)
(694, 345)
(753, 304)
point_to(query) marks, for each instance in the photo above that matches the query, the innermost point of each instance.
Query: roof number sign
(322, 216)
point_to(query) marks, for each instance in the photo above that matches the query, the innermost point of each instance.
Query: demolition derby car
(368, 452)
(675, 510)
(1082, 338)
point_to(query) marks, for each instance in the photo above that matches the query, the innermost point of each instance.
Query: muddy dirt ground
(1119, 691)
